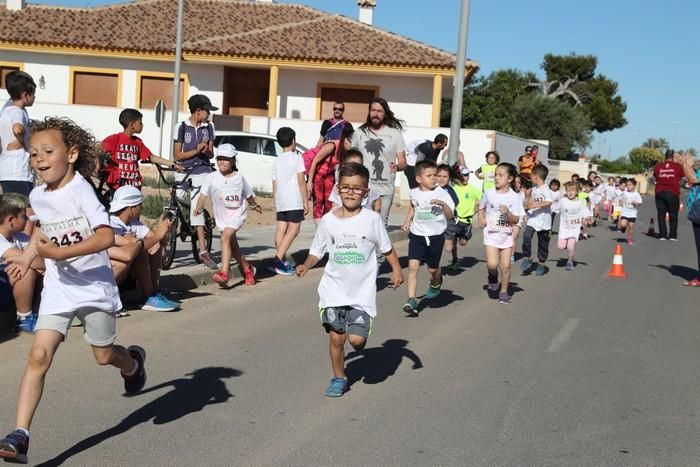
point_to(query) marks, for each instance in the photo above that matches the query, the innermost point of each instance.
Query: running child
(609, 197)
(13, 241)
(426, 222)
(291, 198)
(522, 187)
(73, 238)
(555, 188)
(444, 181)
(539, 221)
(487, 171)
(352, 237)
(460, 227)
(573, 214)
(631, 200)
(230, 196)
(372, 201)
(499, 210)
(618, 201)
(585, 198)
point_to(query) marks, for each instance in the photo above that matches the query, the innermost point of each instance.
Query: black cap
(200, 101)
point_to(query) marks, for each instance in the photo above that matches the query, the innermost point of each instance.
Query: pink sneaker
(630, 242)
(220, 278)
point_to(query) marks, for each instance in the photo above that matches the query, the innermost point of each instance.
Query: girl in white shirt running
(73, 238)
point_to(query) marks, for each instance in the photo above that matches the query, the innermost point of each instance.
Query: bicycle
(177, 211)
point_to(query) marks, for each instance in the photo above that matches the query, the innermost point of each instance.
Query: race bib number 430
(231, 199)
(67, 232)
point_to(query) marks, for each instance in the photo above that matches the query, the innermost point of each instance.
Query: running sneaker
(525, 264)
(157, 302)
(207, 260)
(27, 323)
(673, 239)
(172, 303)
(122, 313)
(492, 282)
(411, 307)
(694, 283)
(135, 383)
(569, 266)
(249, 275)
(434, 290)
(283, 268)
(220, 278)
(337, 387)
(504, 298)
(663, 239)
(454, 265)
(14, 447)
(540, 270)
(630, 242)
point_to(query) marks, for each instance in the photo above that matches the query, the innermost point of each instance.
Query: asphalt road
(579, 370)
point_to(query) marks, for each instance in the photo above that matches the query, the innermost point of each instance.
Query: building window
(4, 70)
(152, 88)
(356, 100)
(96, 88)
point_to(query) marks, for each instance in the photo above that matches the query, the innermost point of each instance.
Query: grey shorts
(99, 327)
(344, 319)
(457, 229)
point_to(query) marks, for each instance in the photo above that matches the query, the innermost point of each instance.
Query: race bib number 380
(498, 222)
(67, 232)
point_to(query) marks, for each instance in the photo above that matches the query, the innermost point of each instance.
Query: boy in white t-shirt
(630, 201)
(13, 219)
(372, 201)
(291, 198)
(138, 248)
(426, 222)
(351, 236)
(539, 220)
(15, 176)
(230, 194)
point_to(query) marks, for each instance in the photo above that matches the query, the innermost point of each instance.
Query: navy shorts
(17, 186)
(295, 216)
(631, 220)
(427, 250)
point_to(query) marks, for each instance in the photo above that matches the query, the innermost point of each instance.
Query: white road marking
(564, 334)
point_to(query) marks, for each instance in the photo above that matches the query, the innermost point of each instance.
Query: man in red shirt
(668, 175)
(127, 150)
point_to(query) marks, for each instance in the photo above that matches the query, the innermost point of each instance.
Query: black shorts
(631, 220)
(418, 248)
(294, 217)
(17, 186)
(458, 229)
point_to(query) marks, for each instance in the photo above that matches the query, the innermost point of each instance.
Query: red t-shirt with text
(126, 152)
(668, 177)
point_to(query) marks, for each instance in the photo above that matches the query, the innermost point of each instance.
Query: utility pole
(458, 91)
(176, 76)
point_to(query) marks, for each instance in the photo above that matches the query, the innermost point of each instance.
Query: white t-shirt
(429, 219)
(629, 209)
(556, 198)
(285, 171)
(350, 276)
(540, 218)
(18, 240)
(229, 198)
(610, 193)
(134, 228)
(67, 216)
(367, 201)
(572, 213)
(14, 164)
(618, 198)
(499, 231)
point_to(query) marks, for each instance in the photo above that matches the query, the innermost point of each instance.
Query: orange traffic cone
(617, 270)
(652, 231)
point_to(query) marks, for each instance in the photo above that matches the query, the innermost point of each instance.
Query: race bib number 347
(67, 232)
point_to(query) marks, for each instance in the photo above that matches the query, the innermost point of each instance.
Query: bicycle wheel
(170, 245)
(208, 235)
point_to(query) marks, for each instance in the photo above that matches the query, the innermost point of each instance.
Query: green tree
(620, 165)
(661, 144)
(645, 157)
(538, 117)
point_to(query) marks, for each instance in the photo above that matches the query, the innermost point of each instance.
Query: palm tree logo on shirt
(376, 148)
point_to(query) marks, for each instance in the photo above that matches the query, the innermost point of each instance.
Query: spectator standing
(419, 150)
(381, 142)
(338, 111)
(668, 175)
(15, 175)
(691, 169)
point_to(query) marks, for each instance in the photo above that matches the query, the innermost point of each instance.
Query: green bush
(153, 206)
(157, 182)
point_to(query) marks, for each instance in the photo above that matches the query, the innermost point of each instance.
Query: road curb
(191, 280)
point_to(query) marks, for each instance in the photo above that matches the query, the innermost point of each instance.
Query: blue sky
(648, 46)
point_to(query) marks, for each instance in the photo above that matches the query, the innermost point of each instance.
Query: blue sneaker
(434, 290)
(27, 323)
(525, 265)
(156, 302)
(540, 270)
(411, 307)
(14, 447)
(283, 268)
(172, 303)
(337, 387)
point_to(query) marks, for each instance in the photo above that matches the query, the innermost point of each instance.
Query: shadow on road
(376, 364)
(188, 395)
(679, 271)
(446, 298)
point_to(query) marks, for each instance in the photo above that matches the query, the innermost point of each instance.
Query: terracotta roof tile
(219, 27)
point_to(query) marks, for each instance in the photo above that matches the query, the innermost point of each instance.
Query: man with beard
(381, 142)
(338, 110)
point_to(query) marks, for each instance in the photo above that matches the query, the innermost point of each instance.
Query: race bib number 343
(67, 232)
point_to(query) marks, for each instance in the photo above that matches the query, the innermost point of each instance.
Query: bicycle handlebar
(187, 172)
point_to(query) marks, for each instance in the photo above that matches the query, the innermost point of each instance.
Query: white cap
(226, 150)
(464, 170)
(125, 197)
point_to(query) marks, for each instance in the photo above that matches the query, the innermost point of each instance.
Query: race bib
(349, 249)
(491, 176)
(571, 221)
(231, 198)
(430, 212)
(67, 232)
(496, 221)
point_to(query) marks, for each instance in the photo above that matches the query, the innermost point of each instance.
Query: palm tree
(376, 148)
